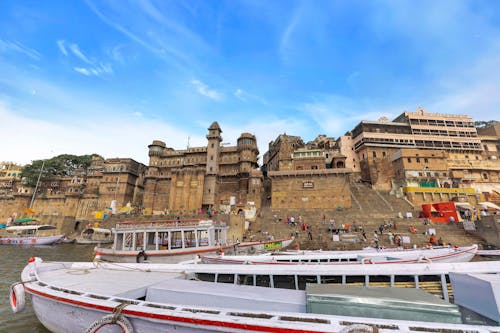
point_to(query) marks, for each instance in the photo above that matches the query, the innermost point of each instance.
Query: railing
(155, 224)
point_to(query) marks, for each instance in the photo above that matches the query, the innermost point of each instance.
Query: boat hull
(442, 255)
(176, 256)
(63, 306)
(32, 240)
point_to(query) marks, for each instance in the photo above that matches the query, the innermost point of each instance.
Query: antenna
(188, 143)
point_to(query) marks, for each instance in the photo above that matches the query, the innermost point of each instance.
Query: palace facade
(214, 176)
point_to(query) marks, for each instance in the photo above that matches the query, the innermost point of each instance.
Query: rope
(118, 311)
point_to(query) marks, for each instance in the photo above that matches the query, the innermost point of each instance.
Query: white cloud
(204, 90)
(76, 51)
(244, 96)
(40, 139)
(18, 47)
(82, 70)
(62, 47)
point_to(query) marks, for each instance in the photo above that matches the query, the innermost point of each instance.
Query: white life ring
(17, 297)
(251, 250)
(111, 319)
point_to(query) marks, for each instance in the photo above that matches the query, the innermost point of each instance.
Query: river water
(14, 258)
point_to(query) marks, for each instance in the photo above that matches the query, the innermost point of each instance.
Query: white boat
(140, 298)
(369, 256)
(176, 241)
(94, 235)
(30, 234)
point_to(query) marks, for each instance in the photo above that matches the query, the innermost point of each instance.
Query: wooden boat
(176, 241)
(439, 254)
(94, 235)
(30, 234)
(88, 297)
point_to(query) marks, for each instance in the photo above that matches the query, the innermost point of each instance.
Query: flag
(29, 211)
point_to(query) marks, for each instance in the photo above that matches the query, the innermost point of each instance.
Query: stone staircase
(370, 209)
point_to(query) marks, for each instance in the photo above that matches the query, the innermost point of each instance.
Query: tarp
(25, 220)
(490, 205)
(464, 205)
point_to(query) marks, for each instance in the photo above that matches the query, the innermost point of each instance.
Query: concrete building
(214, 176)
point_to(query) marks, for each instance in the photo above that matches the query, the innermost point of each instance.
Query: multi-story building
(10, 177)
(305, 176)
(215, 176)
(376, 141)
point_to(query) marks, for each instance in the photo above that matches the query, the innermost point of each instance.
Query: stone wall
(320, 190)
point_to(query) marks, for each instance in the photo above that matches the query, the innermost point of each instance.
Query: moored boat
(95, 235)
(369, 256)
(30, 234)
(174, 241)
(85, 297)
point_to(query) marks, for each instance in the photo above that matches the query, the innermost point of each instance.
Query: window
(211, 158)
(409, 159)
(374, 154)
(426, 160)
(212, 145)
(418, 159)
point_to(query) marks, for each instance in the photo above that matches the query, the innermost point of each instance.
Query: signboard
(406, 239)
(469, 225)
(336, 238)
(431, 231)
(273, 246)
(232, 200)
(308, 185)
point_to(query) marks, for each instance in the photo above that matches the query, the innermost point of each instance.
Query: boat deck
(105, 282)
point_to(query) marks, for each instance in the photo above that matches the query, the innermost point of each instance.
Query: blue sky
(109, 77)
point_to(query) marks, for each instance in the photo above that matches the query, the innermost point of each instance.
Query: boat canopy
(96, 230)
(489, 205)
(17, 228)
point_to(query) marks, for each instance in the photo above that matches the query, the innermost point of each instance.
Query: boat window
(176, 239)
(404, 281)
(209, 277)
(246, 280)
(139, 239)
(163, 239)
(202, 238)
(314, 260)
(284, 281)
(128, 241)
(151, 241)
(431, 284)
(119, 242)
(262, 281)
(189, 238)
(327, 279)
(304, 279)
(380, 281)
(323, 260)
(225, 278)
(344, 259)
(355, 280)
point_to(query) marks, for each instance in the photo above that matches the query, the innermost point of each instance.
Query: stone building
(10, 178)
(301, 176)
(214, 176)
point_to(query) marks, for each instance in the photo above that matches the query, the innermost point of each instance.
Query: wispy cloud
(244, 96)
(82, 70)
(62, 47)
(77, 52)
(91, 68)
(204, 90)
(6, 46)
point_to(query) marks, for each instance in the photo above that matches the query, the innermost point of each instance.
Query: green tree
(62, 165)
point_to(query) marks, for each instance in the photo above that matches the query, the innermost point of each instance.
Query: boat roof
(167, 224)
(98, 230)
(30, 227)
